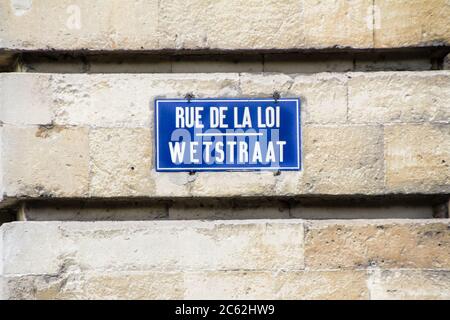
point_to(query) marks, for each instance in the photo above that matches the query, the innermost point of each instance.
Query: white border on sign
(299, 146)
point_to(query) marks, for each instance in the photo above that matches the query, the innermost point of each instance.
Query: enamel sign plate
(227, 134)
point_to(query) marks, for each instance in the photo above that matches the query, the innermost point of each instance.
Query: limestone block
(377, 243)
(127, 100)
(95, 211)
(418, 157)
(120, 162)
(409, 284)
(356, 138)
(191, 285)
(221, 25)
(343, 159)
(24, 99)
(45, 161)
(53, 247)
(399, 97)
(409, 23)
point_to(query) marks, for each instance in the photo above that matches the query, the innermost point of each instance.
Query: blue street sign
(227, 134)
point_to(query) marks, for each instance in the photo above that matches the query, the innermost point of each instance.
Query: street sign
(227, 134)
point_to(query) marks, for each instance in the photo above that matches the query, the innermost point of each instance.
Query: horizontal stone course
(363, 133)
(421, 244)
(222, 25)
(373, 133)
(418, 153)
(236, 259)
(52, 247)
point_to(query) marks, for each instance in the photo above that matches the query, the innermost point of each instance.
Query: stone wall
(84, 214)
(363, 133)
(262, 259)
(222, 25)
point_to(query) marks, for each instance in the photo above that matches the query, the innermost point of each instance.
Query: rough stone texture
(52, 247)
(361, 212)
(343, 159)
(374, 133)
(25, 100)
(338, 23)
(45, 161)
(247, 259)
(409, 284)
(384, 97)
(221, 25)
(79, 24)
(91, 285)
(191, 285)
(418, 157)
(446, 65)
(382, 244)
(291, 66)
(98, 211)
(393, 63)
(121, 160)
(323, 96)
(408, 23)
(281, 285)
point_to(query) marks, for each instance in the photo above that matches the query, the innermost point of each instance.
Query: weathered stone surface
(91, 285)
(281, 285)
(24, 99)
(221, 25)
(80, 24)
(361, 212)
(97, 211)
(193, 24)
(121, 160)
(190, 285)
(446, 65)
(291, 66)
(345, 148)
(45, 161)
(323, 96)
(52, 247)
(338, 23)
(383, 244)
(418, 157)
(127, 100)
(409, 23)
(409, 284)
(394, 97)
(343, 159)
(208, 66)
